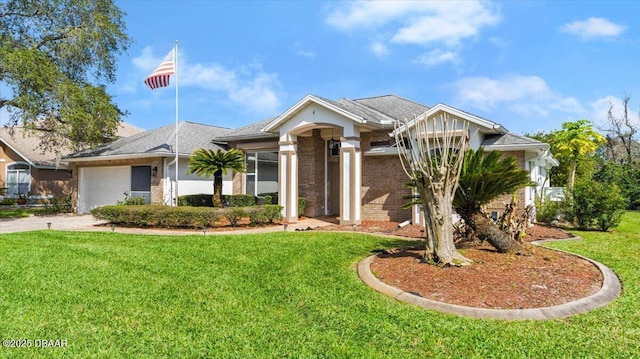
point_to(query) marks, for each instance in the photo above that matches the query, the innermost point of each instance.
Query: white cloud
(526, 95)
(304, 53)
(417, 22)
(437, 57)
(248, 86)
(379, 49)
(593, 28)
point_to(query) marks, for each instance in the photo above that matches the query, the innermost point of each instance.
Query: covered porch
(319, 158)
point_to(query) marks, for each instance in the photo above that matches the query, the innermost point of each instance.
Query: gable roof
(159, 142)
(27, 145)
(506, 141)
(378, 111)
(487, 125)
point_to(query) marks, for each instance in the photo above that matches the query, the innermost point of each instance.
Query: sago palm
(204, 162)
(484, 178)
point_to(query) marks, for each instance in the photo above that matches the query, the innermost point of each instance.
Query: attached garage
(142, 165)
(100, 186)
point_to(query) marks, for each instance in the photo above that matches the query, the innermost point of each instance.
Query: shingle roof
(379, 110)
(393, 106)
(160, 142)
(252, 131)
(27, 144)
(510, 139)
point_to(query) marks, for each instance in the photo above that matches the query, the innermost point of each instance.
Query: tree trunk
(440, 248)
(487, 230)
(572, 174)
(217, 189)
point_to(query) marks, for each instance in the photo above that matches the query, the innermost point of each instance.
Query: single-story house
(143, 165)
(27, 170)
(338, 155)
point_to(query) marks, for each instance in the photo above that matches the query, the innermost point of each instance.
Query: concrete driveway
(67, 222)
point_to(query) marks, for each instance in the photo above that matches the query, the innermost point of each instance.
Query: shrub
(235, 214)
(196, 200)
(8, 202)
(191, 217)
(597, 204)
(272, 212)
(272, 195)
(131, 201)
(239, 200)
(257, 216)
(302, 205)
(547, 211)
(60, 205)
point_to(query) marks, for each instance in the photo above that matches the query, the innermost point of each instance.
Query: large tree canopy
(55, 58)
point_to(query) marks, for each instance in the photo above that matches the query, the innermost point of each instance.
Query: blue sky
(527, 65)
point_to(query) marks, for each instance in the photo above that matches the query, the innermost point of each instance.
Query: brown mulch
(494, 280)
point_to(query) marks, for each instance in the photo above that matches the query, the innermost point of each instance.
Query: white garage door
(101, 186)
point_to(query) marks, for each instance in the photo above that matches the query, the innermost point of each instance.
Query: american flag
(160, 76)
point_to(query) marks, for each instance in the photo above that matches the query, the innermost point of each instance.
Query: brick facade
(311, 180)
(44, 181)
(383, 182)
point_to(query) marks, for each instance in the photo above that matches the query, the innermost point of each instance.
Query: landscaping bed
(494, 280)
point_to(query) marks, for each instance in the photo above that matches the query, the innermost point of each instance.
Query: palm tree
(483, 179)
(206, 162)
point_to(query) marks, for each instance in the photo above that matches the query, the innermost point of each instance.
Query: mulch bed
(494, 280)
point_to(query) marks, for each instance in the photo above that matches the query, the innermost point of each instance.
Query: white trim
(496, 128)
(304, 102)
(124, 157)
(18, 153)
(6, 175)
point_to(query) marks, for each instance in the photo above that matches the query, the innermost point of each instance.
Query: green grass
(295, 295)
(12, 212)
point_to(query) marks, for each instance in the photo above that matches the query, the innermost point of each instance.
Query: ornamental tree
(432, 152)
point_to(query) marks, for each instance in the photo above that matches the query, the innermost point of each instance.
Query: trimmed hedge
(206, 200)
(189, 217)
(196, 200)
(239, 200)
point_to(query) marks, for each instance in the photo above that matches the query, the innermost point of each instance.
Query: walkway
(70, 222)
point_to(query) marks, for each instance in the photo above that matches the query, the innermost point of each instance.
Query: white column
(288, 178)
(350, 181)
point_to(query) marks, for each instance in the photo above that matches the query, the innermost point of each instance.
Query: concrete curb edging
(611, 289)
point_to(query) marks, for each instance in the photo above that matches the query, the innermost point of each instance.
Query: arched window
(18, 179)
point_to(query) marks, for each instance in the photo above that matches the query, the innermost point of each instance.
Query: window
(18, 179)
(141, 182)
(262, 173)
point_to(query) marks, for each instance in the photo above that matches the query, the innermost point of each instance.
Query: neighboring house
(26, 170)
(143, 165)
(340, 157)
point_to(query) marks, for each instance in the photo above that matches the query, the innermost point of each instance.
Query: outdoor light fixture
(113, 227)
(334, 145)
(204, 230)
(154, 171)
(70, 173)
(48, 225)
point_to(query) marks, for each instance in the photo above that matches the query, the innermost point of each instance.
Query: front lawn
(271, 295)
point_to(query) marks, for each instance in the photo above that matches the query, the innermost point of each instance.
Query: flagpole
(175, 58)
